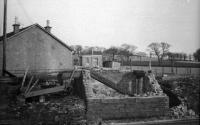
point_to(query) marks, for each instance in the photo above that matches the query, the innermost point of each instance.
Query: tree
(159, 49)
(190, 57)
(164, 49)
(170, 56)
(124, 54)
(141, 53)
(93, 50)
(99, 49)
(129, 48)
(77, 49)
(184, 56)
(121, 52)
(176, 56)
(197, 55)
(112, 50)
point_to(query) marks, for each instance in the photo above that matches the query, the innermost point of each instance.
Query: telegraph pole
(4, 38)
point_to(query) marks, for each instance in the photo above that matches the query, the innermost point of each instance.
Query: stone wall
(163, 122)
(122, 108)
(91, 60)
(166, 70)
(131, 107)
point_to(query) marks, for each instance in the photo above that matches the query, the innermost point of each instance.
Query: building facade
(35, 48)
(91, 60)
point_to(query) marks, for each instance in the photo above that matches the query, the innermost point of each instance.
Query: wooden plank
(10, 74)
(29, 84)
(33, 86)
(24, 78)
(71, 77)
(192, 121)
(45, 91)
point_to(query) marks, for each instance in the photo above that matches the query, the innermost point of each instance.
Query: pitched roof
(12, 34)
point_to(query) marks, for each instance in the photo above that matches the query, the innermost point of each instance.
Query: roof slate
(12, 33)
(9, 35)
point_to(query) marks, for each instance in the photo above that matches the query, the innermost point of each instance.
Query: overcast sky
(113, 22)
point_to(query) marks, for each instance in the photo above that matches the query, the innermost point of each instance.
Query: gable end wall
(37, 50)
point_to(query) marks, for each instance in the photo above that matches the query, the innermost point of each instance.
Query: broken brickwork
(122, 107)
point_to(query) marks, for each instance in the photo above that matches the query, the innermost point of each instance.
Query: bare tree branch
(159, 49)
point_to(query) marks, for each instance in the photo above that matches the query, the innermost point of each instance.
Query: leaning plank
(24, 78)
(32, 86)
(28, 87)
(72, 75)
(45, 91)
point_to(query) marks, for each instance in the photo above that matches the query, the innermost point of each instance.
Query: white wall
(166, 70)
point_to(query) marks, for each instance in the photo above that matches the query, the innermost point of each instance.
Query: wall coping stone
(160, 122)
(140, 97)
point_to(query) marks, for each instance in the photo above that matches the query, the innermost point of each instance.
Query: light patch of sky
(114, 22)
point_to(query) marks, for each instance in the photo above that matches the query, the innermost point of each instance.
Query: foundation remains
(121, 106)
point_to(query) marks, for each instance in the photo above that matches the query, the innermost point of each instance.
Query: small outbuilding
(91, 60)
(112, 64)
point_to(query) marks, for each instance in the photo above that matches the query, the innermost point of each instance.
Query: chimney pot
(48, 22)
(16, 26)
(48, 28)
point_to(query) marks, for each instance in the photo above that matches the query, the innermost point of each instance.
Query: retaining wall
(129, 107)
(194, 121)
(166, 70)
(107, 108)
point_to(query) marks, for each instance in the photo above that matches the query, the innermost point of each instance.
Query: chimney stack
(48, 28)
(16, 26)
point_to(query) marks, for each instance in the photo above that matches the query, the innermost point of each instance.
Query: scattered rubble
(100, 90)
(59, 110)
(126, 83)
(181, 111)
(187, 90)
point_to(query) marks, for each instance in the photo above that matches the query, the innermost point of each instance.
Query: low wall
(166, 70)
(163, 122)
(129, 107)
(108, 108)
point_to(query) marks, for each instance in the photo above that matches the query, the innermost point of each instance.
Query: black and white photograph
(99, 62)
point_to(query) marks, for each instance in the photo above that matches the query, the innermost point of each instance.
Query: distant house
(117, 58)
(76, 59)
(112, 64)
(37, 48)
(107, 57)
(91, 60)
